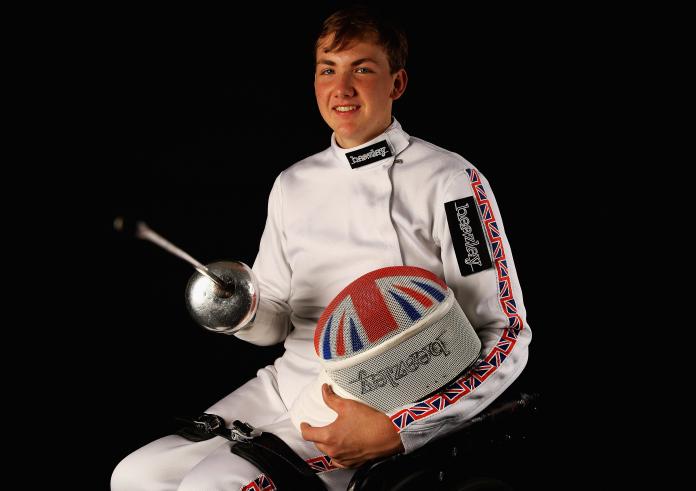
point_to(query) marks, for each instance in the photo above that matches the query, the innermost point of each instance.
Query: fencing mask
(390, 338)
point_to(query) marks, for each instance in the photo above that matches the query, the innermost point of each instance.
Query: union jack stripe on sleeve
(489, 364)
(318, 464)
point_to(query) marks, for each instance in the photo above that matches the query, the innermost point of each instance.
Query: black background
(187, 118)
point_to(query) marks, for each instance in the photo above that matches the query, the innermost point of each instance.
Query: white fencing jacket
(395, 200)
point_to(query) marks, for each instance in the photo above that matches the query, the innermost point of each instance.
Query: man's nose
(344, 86)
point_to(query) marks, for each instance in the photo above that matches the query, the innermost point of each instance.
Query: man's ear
(400, 82)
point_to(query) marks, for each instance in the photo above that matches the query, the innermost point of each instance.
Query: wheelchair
(483, 455)
(489, 452)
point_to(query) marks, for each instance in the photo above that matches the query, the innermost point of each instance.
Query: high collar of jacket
(379, 150)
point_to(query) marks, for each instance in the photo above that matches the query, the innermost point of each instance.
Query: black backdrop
(190, 116)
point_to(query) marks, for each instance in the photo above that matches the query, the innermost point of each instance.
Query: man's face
(355, 90)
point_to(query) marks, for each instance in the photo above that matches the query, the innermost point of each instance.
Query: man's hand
(360, 433)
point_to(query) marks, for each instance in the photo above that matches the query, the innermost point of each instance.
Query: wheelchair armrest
(439, 462)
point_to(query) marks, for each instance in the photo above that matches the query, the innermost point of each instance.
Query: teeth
(344, 109)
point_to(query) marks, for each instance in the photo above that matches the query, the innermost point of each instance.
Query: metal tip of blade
(142, 231)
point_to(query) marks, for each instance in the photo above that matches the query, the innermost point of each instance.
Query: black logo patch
(468, 236)
(367, 155)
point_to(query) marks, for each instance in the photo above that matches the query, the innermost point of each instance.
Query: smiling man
(355, 85)
(377, 198)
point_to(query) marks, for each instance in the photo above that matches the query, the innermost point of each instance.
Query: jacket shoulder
(318, 160)
(441, 158)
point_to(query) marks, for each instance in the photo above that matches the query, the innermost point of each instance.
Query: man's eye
(363, 69)
(326, 71)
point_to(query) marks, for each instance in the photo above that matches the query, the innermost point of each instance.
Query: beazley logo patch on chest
(367, 155)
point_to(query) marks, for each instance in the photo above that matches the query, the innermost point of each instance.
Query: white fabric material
(174, 463)
(310, 406)
(329, 224)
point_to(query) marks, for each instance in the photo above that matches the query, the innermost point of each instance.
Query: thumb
(311, 433)
(307, 430)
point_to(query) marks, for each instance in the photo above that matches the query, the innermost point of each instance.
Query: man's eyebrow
(363, 60)
(355, 63)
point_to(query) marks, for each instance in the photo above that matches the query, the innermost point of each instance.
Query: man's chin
(348, 139)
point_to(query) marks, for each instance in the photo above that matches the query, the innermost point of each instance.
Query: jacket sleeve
(491, 298)
(271, 324)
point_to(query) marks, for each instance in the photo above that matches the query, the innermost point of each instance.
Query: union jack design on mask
(375, 307)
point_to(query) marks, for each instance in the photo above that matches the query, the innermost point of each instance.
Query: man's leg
(223, 470)
(163, 464)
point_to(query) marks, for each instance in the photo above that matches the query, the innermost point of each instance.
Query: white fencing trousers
(174, 463)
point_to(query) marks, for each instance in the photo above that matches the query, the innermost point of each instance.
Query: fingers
(328, 450)
(347, 463)
(338, 464)
(307, 431)
(326, 393)
(331, 399)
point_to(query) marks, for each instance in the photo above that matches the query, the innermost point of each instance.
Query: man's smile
(346, 108)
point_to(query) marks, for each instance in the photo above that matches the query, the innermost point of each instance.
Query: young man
(376, 197)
